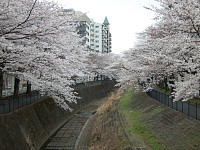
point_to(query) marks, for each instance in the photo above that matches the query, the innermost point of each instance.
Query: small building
(8, 86)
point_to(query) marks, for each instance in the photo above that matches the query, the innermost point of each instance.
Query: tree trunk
(1, 84)
(16, 87)
(28, 87)
(165, 84)
(101, 77)
(172, 82)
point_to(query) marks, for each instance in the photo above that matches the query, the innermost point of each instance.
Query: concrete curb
(80, 135)
(83, 140)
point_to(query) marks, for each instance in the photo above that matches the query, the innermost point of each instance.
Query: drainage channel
(65, 138)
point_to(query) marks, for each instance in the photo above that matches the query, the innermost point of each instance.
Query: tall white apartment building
(95, 36)
(100, 37)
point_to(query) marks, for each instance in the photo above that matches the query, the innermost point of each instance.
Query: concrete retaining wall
(29, 127)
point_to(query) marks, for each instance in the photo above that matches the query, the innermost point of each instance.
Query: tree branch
(27, 18)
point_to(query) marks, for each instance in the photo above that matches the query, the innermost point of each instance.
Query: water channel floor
(66, 137)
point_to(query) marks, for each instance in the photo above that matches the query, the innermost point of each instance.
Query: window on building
(82, 32)
(96, 26)
(87, 33)
(97, 41)
(97, 31)
(96, 36)
(97, 46)
(83, 23)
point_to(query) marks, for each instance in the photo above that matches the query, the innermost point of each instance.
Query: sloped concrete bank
(147, 123)
(29, 127)
(172, 129)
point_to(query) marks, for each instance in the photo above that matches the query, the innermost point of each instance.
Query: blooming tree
(171, 46)
(40, 44)
(165, 50)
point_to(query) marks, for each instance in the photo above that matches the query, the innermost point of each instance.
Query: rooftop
(106, 21)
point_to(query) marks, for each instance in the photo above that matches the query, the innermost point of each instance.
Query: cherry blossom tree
(115, 66)
(99, 64)
(41, 45)
(171, 46)
(164, 50)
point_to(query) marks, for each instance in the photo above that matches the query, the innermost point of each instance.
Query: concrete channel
(67, 137)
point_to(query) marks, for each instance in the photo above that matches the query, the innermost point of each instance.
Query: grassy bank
(107, 131)
(134, 120)
(158, 126)
(139, 133)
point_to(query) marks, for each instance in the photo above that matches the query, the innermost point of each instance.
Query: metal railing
(12, 103)
(90, 83)
(191, 110)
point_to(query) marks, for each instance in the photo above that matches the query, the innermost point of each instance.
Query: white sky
(126, 18)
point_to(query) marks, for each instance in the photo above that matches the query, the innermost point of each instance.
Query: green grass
(136, 128)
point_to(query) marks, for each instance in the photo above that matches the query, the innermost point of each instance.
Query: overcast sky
(126, 17)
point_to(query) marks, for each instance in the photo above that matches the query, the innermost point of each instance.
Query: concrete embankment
(172, 129)
(139, 122)
(29, 127)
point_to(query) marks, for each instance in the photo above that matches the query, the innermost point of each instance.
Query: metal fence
(191, 110)
(90, 83)
(12, 103)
